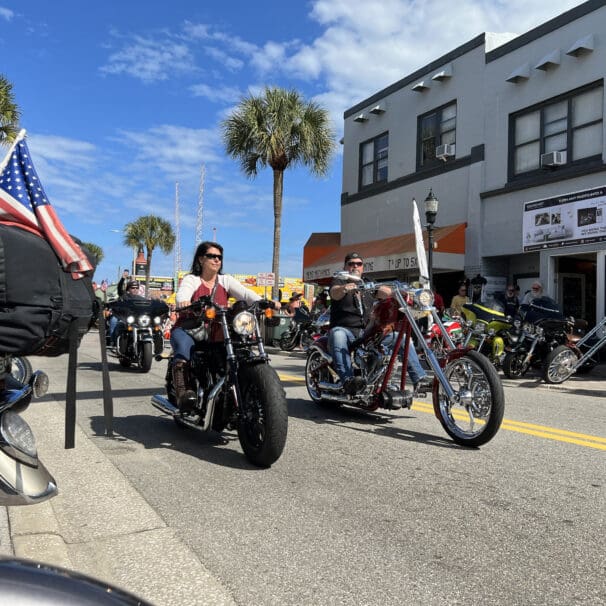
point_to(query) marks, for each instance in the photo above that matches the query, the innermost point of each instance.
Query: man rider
(131, 294)
(349, 314)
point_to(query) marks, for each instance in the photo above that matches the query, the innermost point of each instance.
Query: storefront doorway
(576, 285)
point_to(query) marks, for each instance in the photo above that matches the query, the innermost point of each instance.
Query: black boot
(186, 397)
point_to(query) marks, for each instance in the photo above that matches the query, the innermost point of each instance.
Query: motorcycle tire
(21, 369)
(513, 365)
(559, 365)
(316, 372)
(288, 341)
(146, 356)
(477, 420)
(263, 419)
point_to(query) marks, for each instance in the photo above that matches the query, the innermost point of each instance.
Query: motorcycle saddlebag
(38, 299)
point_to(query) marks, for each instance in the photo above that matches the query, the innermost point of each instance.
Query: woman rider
(205, 279)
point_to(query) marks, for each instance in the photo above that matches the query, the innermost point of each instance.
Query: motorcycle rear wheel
(477, 417)
(263, 419)
(316, 372)
(146, 356)
(559, 365)
(513, 365)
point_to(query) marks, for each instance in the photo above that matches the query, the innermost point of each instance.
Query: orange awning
(394, 254)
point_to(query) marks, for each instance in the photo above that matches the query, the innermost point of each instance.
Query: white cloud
(6, 13)
(231, 63)
(150, 59)
(227, 94)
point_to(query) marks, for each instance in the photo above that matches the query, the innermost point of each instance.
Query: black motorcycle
(139, 334)
(300, 332)
(235, 385)
(539, 329)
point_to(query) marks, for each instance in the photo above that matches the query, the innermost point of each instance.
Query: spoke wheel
(513, 365)
(559, 364)
(316, 372)
(476, 415)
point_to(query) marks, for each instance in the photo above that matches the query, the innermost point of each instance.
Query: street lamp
(431, 204)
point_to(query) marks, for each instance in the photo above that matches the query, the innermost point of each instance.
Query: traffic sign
(266, 279)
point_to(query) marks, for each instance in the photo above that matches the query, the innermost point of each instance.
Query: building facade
(510, 138)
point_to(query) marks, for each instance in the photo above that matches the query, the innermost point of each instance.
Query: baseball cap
(133, 284)
(352, 255)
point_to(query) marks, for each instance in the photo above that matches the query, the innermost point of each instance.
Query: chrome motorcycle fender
(22, 484)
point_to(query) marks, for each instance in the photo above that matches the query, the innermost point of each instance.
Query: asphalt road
(374, 508)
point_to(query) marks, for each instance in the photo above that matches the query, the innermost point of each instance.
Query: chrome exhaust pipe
(161, 403)
(323, 386)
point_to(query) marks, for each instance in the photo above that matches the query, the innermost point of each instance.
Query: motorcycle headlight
(144, 321)
(423, 297)
(479, 327)
(17, 434)
(130, 320)
(244, 323)
(157, 320)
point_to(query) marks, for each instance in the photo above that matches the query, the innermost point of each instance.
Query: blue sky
(121, 100)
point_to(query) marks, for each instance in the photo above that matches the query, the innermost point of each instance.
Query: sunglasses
(211, 256)
(355, 263)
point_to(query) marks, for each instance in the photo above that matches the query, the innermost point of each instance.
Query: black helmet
(133, 284)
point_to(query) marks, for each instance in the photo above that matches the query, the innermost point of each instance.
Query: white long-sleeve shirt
(191, 283)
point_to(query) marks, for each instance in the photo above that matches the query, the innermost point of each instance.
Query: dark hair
(203, 247)
(133, 284)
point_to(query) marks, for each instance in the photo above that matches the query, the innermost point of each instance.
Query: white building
(510, 138)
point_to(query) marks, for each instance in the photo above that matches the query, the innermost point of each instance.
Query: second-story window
(437, 127)
(373, 160)
(570, 124)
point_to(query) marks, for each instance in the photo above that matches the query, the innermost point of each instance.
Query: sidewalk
(101, 526)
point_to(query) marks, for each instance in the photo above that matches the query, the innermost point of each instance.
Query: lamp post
(431, 204)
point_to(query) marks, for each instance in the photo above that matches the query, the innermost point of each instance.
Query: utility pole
(200, 213)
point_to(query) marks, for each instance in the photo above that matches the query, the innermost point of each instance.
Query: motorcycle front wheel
(476, 415)
(559, 364)
(263, 419)
(288, 341)
(146, 356)
(513, 365)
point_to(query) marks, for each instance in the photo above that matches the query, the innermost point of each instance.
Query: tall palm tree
(150, 232)
(9, 113)
(278, 129)
(95, 251)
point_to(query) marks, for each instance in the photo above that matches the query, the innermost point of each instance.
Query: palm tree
(95, 251)
(9, 113)
(150, 232)
(281, 130)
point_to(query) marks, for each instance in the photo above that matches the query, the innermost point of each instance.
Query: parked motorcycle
(435, 339)
(300, 331)
(468, 397)
(235, 385)
(21, 369)
(24, 480)
(487, 331)
(139, 334)
(544, 338)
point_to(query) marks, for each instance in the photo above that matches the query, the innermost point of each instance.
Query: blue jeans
(414, 368)
(181, 343)
(339, 340)
(113, 328)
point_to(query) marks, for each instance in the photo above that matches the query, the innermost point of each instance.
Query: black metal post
(430, 254)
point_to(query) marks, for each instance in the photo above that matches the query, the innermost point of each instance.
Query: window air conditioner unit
(443, 152)
(552, 159)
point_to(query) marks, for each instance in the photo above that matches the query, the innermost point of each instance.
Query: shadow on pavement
(154, 432)
(377, 423)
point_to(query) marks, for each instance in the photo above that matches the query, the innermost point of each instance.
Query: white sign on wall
(568, 220)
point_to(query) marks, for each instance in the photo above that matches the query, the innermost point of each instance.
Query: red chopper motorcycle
(467, 393)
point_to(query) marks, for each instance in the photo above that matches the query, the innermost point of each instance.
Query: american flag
(24, 204)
